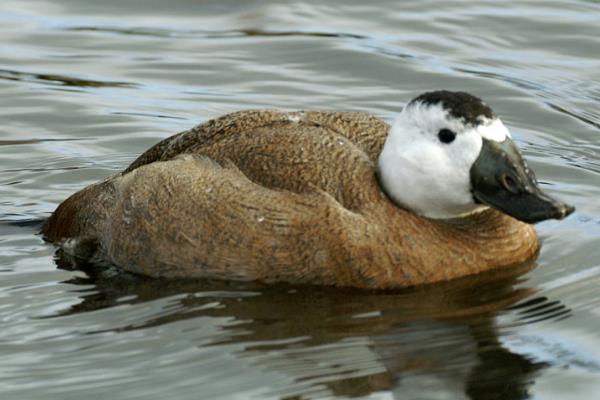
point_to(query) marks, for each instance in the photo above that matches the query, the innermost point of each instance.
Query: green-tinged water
(86, 86)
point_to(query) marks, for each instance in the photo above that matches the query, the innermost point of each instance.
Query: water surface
(87, 86)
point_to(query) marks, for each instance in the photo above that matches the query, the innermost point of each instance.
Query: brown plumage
(276, 196)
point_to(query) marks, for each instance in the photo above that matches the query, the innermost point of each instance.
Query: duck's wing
(334, 152)
(364, 130)
(298, 152)
(192, 217)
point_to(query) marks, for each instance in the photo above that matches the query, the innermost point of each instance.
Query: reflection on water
(88, 85)
(418, 342)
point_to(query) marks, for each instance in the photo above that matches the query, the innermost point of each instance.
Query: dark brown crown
(460, 105)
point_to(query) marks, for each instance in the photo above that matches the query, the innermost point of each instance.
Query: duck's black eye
(446, 135)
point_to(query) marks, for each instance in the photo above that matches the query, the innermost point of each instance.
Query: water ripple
(88, 85)
(208, 34)
(59, 79)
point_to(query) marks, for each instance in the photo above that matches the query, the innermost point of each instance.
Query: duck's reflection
(419, 343)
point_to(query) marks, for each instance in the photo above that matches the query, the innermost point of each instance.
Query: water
(86, 86)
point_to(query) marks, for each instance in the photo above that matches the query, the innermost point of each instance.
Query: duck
(318, 197)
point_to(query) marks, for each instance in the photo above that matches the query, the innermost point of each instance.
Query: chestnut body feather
(278, 196)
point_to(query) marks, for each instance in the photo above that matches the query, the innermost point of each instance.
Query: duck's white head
(448, 155)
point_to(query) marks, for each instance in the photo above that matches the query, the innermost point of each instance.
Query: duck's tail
(80, 215)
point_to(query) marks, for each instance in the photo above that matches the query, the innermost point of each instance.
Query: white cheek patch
(421, 173)
(429, 177)
(493, 130)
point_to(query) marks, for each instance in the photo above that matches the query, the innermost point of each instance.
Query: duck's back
(365, 131)
(296, 151)
(257, 195)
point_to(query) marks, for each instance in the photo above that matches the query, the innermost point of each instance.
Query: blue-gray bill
(501, 179)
